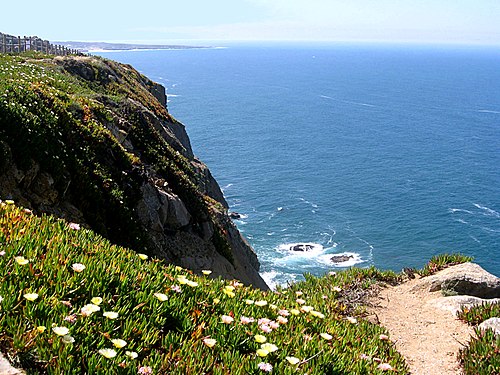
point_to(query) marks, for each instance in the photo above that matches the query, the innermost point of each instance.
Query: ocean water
(387, 153)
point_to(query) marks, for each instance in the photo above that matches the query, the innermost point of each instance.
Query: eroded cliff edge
(91, 140)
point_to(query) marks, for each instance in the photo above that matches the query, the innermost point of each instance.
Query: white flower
(108, 353)
(261, 303)
(67, 339)
(119, 343)
(226, 319)
(292, 360)
(269, 347)
(21, 260)
(326, 336)
(206, 272)
(209, 342)
(352, 320)
(132, 355)
(110, 314)
(89, 309)
(142, 256)
(60, 331)
(161, 297)
(31, 296)
(78, 267)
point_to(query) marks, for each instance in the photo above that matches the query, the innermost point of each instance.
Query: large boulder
(491, 323)
(463, 279)
(454, 304)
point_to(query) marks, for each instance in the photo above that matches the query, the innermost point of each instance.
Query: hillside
(91, 141)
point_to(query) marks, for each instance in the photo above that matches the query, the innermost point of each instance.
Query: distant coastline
(104, 46)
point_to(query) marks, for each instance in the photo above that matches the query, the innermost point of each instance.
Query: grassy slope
(168, 336)
(62, 122)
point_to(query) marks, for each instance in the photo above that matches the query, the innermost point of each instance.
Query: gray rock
(491, 323)
(463, 279)
(454, 304)
(341, 258)
(301, 247)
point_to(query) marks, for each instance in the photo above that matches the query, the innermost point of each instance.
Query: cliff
(91, 141)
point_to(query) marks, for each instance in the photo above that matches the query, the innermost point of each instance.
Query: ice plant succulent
(119, 343)
(78, 267)
(31, 296)
(209, 342)
(60, 331)
(108, 353)
(21, 260)
(110, 314)
(161, 297)
(292, 360)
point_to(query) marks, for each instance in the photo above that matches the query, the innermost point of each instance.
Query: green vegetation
(442, 261)
(482, 355)
(65, 113)
(55, 314)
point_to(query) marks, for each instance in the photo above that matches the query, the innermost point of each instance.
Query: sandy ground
(428, 337)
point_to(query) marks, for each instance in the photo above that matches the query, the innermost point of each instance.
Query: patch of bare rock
(420, 315)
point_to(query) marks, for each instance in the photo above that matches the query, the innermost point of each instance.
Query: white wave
(280, 208)
(172, 95)
(487, 111)
(453, 210)
(488, 211)
(474, 238)
(270, 278)
(347, 101)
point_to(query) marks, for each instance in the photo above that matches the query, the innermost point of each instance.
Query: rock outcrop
(464, 279)
(491, 323)
(107, 154)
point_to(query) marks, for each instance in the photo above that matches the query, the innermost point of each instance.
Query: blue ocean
(388, 154)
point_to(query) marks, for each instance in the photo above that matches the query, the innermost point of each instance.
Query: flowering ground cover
(72, 303)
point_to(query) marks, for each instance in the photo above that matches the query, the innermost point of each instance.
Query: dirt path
(427, 336)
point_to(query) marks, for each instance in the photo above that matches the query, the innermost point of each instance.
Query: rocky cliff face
(91, 140)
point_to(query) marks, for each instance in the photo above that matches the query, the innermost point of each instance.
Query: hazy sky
(469, 21)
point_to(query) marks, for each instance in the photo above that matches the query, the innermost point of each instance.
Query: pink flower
(262, 321)
(364, 356)
(176, 288)
(74, 226)
(283, 313)
(282, 320)
(383, 337)
(246, 320)
(145, 370)
(266, 367)
(226, 319)
(70, 318)
(273, 324)
(384, 367)
(265, 328)
(300, 301)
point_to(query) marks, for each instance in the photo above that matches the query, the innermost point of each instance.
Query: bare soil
(428, 337)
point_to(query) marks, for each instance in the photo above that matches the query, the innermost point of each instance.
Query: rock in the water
(455, 303)
(463, 279)
(491, 323)
(234, 215)
(341, 258)
(302, 247)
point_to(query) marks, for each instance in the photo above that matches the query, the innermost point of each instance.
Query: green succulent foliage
(60, 113)
(166, 313)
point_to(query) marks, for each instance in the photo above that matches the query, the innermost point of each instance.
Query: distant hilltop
(93, 46)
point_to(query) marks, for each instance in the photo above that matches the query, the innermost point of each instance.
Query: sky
(185, 21)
